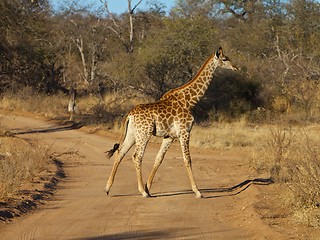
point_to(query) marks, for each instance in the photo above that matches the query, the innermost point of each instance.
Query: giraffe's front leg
(184, 141)
(137, 160)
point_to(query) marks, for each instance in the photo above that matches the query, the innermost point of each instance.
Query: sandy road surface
(81, 210)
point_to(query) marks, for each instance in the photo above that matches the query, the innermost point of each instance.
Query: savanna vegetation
(118, 60)
(21, 162)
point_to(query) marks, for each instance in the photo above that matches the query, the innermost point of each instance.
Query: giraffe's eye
(225, 59)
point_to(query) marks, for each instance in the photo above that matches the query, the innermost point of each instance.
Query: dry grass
(20, 163)
(292, 158)
(93, 110)
(288, 154)
(27, 101)
(223, 136)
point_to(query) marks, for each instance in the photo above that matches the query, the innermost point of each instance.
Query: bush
(292, 158)
(231, 95)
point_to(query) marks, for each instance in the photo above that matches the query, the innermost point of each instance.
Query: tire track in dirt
(81, 210)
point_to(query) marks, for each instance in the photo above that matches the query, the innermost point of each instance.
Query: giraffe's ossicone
(169, 118)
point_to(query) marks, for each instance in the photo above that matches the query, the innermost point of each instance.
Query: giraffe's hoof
(199, 195)
(146, 189)
(107, 190)
(146, 195)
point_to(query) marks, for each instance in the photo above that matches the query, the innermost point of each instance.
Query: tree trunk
(72, 108)
(80, 47)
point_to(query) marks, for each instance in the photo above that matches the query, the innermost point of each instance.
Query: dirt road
(80, 208)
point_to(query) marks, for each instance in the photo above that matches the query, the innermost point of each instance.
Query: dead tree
(118, 30)
(72, 107)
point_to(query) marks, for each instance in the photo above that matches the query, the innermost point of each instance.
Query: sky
(115, 6)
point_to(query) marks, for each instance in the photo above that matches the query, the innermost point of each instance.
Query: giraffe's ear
(219, 52)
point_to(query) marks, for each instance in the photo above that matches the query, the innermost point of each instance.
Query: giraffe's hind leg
(124, 148)
(159, 158)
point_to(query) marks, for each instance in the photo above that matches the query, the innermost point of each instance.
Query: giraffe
(170, 118)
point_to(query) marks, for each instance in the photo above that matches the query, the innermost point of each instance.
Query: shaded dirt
(80, 209)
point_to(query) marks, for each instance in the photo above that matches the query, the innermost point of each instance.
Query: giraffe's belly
(167, 130)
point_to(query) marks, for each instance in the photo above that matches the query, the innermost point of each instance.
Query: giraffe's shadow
(55, 128)
(212, 192)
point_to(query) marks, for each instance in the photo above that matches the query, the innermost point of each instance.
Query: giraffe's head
(224, 61)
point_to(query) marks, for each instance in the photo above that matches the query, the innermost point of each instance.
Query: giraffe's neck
(191, 92)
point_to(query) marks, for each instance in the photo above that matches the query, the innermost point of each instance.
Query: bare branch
(118, 30)
(134, 8)
(74, 23)
(112, 17)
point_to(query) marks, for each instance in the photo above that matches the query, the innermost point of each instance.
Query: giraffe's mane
(198, 73)
(192, 80)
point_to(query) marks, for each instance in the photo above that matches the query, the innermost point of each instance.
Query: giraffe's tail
(117, 145)
(113, 150)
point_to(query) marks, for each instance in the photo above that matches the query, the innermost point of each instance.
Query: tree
(118, 29)
(175, 53)
(88, 44)
(193, 8)
(303, 26)
(25, 44)
(82, 42)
